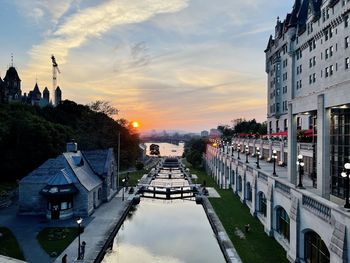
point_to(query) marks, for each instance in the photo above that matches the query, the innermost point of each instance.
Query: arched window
(239, 184)
(282, 222)
(232, 177)
(249, 192)
(316, 250)
(262, 204)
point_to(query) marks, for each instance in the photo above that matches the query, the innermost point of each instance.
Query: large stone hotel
(296, 184)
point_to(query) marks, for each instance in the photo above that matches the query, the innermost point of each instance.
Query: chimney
(72, 146)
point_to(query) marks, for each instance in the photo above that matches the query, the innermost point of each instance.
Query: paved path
(98, 230)
(26, 228)
(281, 172)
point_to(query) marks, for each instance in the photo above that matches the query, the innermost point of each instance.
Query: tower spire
(11, 59)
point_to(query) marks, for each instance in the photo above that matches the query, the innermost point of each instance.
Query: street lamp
(274, 158)
(79, 221)
(246, 153)
(123, 180)
(238, 150)
(257, 157)
(345, 175)
(301, 164)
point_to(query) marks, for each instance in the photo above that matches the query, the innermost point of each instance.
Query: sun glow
(135, 124)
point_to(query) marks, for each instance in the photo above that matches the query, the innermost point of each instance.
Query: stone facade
(307, 211)
(75, 184)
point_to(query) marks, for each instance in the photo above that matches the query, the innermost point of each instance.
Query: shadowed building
(73, 184)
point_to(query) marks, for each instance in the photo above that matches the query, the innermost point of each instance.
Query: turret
(58, 96)
(46, 95)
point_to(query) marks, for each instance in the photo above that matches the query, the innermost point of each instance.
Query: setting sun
(135, 124)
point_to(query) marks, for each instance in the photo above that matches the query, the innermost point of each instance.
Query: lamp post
(79, 221)
(123, 180)
(238, 150)
(257, 157)
(246, 153)
(345, 175)
(301, 164)
(274, 158)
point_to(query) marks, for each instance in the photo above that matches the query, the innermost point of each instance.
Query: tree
(195, 150)
(103, 107)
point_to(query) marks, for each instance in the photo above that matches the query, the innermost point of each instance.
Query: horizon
(148, 58)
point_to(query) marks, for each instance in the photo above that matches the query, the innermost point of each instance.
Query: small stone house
(71, 185)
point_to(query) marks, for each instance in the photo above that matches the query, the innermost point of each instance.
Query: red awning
(281, 133)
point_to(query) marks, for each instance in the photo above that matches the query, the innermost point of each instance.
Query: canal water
(169, 231)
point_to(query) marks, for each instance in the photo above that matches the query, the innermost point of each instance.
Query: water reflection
(166, 231)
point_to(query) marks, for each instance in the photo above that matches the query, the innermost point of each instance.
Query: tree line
(30, 135)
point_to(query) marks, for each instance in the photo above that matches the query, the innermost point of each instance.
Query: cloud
(44, 10)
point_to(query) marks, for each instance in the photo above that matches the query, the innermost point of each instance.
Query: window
(249, 192)
(331, 70)
(285, 124)
(346, 21)
(285, 89)
(326, 74)
(315, 249)
(346, 42)
(331, 51)
(314, 77)
(282, 221)
(314, 61)
(262, 203)
(310, 79)
(347, 61)
(326, 53)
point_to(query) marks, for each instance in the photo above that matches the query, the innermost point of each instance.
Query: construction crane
(55, 70)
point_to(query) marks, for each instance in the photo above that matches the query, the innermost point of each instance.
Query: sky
(177, 64)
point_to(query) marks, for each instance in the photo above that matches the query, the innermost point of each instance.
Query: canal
(171, 231)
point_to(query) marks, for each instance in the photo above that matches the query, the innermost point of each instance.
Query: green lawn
(133, 177)
(8, 244)
(55, 239)
(257, 247)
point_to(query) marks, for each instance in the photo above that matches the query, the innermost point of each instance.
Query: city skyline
(187, 65)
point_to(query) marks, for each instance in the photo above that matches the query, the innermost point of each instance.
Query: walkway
(281, 172)
(98, 230)
(26, 228)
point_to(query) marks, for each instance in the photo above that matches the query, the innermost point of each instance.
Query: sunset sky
(169, 64)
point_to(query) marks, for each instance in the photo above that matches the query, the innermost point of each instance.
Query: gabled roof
(84, 173)
(99, 160)
(47, 170)
(64, 169)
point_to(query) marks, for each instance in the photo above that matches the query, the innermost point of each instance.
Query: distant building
(214, 133)
(73, 184)
(58, 96)
(10, 91)
(10, 87)
(204, 133)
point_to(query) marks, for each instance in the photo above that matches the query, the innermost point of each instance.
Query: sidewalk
(97, 226)
(103, 221)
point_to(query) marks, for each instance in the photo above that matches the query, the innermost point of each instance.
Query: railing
(305, 146)
(278, 144)
(262, 176)
(317, 208)
(284, 188)
(249, 169)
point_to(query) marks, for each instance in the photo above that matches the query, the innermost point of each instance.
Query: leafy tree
(103, 107)
(195, 150)
(31, 135)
